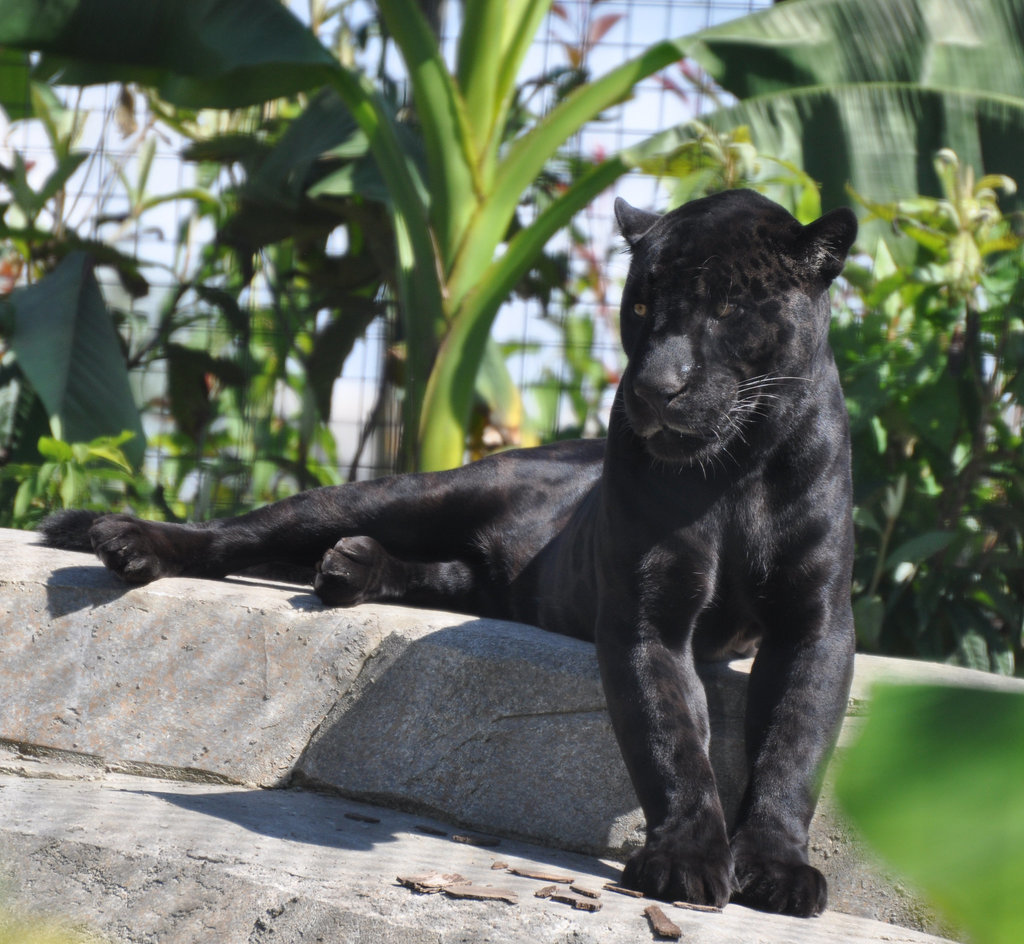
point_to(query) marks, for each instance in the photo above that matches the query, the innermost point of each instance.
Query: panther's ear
(633, 223)
(826, 241)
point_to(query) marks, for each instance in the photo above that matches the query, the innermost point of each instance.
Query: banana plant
(820, 70)
(450, 267)
(449, 220)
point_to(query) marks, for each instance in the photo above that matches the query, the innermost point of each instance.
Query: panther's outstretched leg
(659, 712)
(438, 516)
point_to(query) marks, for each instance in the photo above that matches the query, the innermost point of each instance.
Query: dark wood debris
(429, 830)
(362, 818)
(481, 893)
(584, 891)
(456, 886)
(545, 891)
(577, 901)
(485, 842)
(660, 924)
(707, 909)
(543, 876)
(622, 890)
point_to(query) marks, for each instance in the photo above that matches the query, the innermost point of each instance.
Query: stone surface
(141, 860)
(493, 725)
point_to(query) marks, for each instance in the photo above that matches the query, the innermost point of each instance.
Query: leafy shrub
(95, 475)
(930, 350)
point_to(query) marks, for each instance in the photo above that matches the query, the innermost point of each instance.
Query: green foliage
(203, 53)
(449, 215)
(96, 475)
(14, 83)
(34, 223)
(931, 358)
(584, 381)
(933, 784)
(448, 260)
(707, 161)
(62, 369)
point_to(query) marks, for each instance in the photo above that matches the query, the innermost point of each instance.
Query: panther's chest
(715, 563)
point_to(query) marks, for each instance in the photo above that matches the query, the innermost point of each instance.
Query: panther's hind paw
(131, 548)
(348, 573)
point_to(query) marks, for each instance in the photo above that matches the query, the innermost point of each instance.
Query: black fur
(715, 519)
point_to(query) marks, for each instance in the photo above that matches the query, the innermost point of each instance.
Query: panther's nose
(659, 394)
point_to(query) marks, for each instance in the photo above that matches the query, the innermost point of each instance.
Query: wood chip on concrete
(481, 893)
(456, 886)
(708, 909)
(661, 925)
(429, 830)
(577, 901)
(484, 842)
(543, 876)
(622, 890)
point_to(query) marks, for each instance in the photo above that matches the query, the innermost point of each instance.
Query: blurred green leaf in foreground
(935, 784)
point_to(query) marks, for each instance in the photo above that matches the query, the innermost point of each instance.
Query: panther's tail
(68, 530)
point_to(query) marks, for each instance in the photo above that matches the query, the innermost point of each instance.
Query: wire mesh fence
(136, 191)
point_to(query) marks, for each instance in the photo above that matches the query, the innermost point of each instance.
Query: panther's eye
(640, 309)
(726, 309)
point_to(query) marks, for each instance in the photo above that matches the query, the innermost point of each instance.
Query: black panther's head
(726, 300)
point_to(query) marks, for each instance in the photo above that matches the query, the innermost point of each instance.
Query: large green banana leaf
(864, 92)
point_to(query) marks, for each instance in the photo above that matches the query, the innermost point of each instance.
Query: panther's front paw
(130, 548)
(349, 572)
(674, 871)
(792, 888)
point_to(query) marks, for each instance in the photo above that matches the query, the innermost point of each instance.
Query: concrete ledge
(493, 725)
(142, 860)
(498, 725)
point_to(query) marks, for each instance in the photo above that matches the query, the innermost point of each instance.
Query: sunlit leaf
(865, 92)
